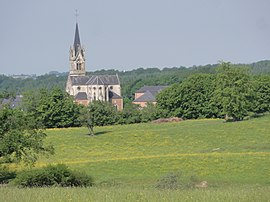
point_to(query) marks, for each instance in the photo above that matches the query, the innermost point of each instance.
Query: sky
(36, 35)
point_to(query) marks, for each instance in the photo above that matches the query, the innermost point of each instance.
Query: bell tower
(77, 56)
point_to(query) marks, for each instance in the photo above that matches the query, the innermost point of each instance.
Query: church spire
(77, 54)
(77, 42)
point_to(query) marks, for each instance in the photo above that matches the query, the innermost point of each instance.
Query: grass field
(234, 158)
(242, 194)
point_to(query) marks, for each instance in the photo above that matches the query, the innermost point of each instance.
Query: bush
(169, 181)
(6, 175)
(58, 175)
(176, 181)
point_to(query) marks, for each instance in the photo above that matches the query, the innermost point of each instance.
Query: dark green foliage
(103, 113)
(231, 93)
(190, 99)
(20, 85)
(86, 119)
(166, 100)
(130, 80)
(7, 94)
(20, 136)
(177, 181)
(261, 102)
(149, 113)
(234, 91)
(58, 175)
(52, 109)
(170, 181)
(130, 114)
(6, 175)
(261, 67)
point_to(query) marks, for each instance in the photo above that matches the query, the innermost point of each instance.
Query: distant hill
(261, 67)
(131, 80)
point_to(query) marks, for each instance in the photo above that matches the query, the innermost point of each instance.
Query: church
(88, 88)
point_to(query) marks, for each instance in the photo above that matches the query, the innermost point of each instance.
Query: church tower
(77, 56)
(86, 89)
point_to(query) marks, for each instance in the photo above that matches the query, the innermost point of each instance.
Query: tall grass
(239, 194)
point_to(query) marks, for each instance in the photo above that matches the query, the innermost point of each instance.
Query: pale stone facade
(86, 89)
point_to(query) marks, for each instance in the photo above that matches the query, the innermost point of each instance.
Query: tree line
(130, 80)
(233, 93)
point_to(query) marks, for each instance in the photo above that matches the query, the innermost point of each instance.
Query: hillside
(130, 80)
(221, 153)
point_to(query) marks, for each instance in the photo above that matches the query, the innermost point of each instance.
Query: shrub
(6, 175)
(58, 175)
(169, 181)
(176, 181)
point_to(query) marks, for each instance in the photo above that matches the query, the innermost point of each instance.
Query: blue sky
(36, 35)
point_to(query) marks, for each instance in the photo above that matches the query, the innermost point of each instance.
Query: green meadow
(127, 160)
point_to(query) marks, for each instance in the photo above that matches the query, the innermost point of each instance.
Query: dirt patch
(203, 184)
(167, 120)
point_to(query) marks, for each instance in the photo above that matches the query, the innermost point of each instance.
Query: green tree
(167, 101)
(87, 119)
(53, 109)
(148, 113)
(102, 113)
(21, 139)
(234, 91)
(130, 114)
(190, 99)
(261, 102)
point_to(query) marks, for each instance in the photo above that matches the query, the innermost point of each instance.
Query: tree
(87, 119)
(149, 113)
(102, 113)
(233, 91)
(167, 101)
(190, 99)
(130, 114)
(21, 139)
(261, 102)
(53, 109)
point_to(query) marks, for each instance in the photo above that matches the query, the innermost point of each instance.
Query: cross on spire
(76, 15)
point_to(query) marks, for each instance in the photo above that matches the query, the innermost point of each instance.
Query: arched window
(78, 66)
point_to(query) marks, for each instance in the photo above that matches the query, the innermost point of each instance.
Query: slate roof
(13, 102)
(81, 96)
(153, 89)
(113, 95)
(95, 80)
(149, 93)
(77, 42)
(79, 80)
(146, 97)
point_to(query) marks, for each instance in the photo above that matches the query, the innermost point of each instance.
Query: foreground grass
(239, 194)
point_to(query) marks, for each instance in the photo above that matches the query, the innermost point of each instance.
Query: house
(147, 94)
(13, 102)
(87, 88)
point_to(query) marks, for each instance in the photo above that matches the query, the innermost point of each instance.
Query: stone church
(88, 88)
